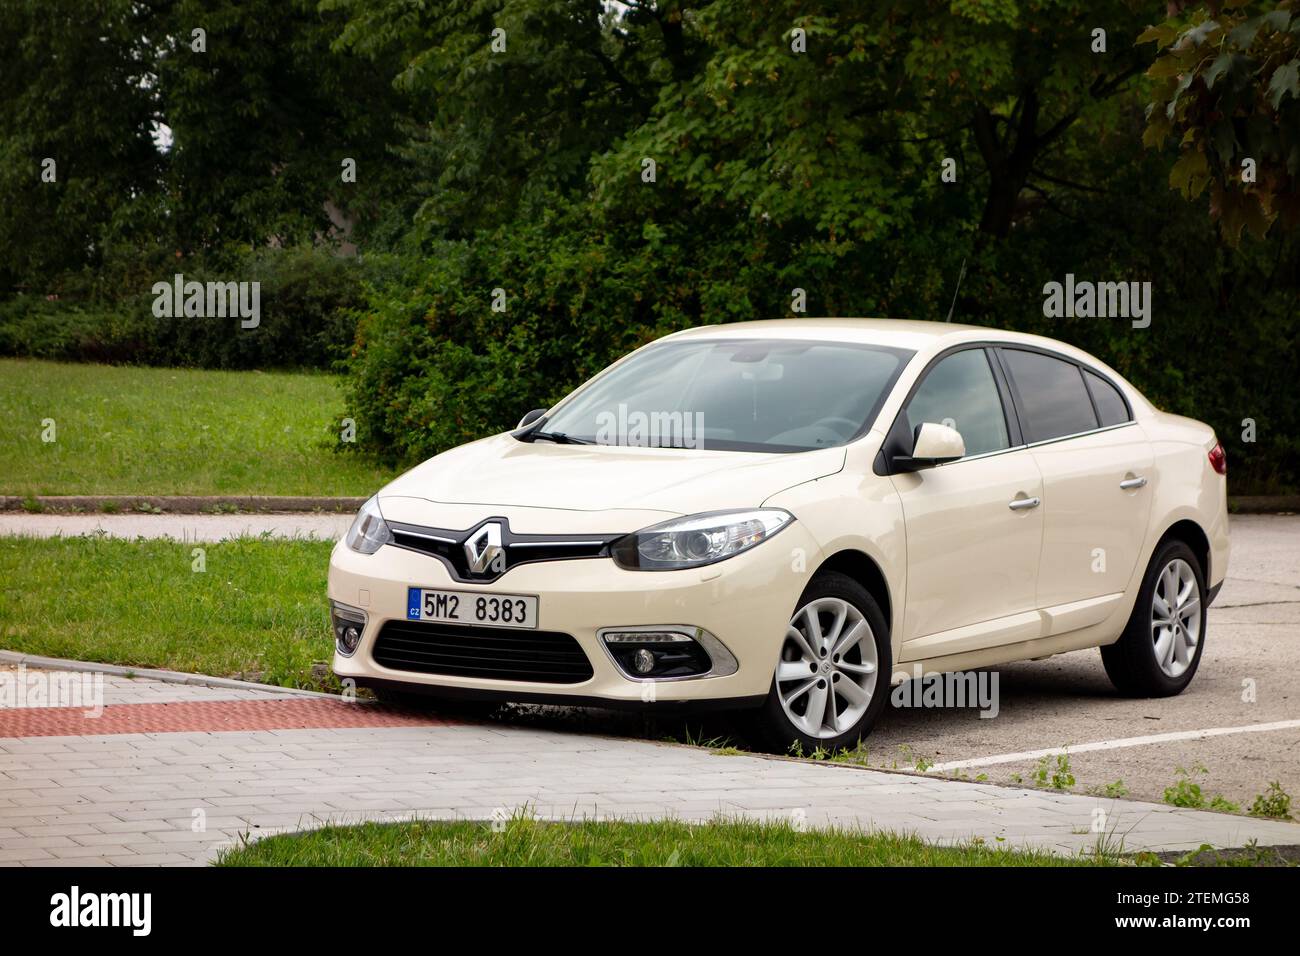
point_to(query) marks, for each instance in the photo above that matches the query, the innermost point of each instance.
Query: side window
(1054, 399)
(960, 391)
(1109, 402)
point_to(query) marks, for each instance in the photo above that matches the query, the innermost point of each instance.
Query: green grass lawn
(258, 611)
(127, 430)
(525, 842)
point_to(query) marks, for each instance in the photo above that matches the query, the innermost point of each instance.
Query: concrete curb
(170, 677)
(179, 504)
(1263, 504)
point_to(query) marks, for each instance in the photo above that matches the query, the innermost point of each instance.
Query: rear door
(1096, 468)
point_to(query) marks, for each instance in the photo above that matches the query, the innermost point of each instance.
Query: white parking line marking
(1114, 745)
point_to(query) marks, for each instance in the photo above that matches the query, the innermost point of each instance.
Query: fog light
(644, 661)
(348, 623)
(666, 653)
(349, 639)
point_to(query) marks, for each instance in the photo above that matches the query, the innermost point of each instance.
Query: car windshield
(774, 395)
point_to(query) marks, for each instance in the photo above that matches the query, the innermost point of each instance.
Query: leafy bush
(434, 365)
(307, 302)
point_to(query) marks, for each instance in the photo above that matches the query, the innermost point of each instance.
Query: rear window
(1053, 397)
(1110, 403)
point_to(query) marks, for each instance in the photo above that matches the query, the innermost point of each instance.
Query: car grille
(547, 657)
(448, 546)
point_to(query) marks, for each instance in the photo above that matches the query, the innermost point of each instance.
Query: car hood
(504, 471)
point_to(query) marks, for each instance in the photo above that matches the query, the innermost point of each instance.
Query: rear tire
(1160, 649)
(833, 673)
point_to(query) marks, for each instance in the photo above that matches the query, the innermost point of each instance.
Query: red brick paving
(295, 713)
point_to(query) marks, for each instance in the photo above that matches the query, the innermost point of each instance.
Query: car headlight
(697, 539)
(369, 532)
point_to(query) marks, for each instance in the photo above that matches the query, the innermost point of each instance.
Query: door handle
(1023, 504)
(1130, 483)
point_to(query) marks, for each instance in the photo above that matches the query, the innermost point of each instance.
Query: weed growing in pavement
(1107, 846)
(695, 738)
(858, 755)
(1188, 794)
(1273, 802)
(1185, 793)
(919, 763)
(1059, 777)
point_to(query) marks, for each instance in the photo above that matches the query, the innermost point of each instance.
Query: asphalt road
(1252, 644)
(1249, 676)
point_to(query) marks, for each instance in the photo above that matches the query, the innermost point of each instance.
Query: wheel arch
(1193, 535)
(864, 569)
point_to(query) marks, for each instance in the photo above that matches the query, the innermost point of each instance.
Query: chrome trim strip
(559, 544)
(1091, 431)
(1036, 444)
(427, 537)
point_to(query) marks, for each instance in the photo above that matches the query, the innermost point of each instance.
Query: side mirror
(935, 444)
(531, 417)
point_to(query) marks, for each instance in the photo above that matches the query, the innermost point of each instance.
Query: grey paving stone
(129, 799)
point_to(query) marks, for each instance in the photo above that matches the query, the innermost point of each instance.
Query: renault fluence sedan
(789, 516)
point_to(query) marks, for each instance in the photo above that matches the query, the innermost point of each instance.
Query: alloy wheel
(827, 674)
(1175, 617)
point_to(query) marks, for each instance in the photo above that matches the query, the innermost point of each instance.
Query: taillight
(1219, 458)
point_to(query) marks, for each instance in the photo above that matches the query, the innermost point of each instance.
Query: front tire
(833, 674)
(1160, 649)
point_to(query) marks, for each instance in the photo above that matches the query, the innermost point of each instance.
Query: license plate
(471, 607)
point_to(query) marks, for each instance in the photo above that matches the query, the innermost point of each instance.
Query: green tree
(77, 91)
(1226, 86)
(511, 99)
(262, 118)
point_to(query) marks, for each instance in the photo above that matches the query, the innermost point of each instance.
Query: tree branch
(1069, 183)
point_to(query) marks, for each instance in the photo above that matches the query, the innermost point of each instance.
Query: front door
(974, 526)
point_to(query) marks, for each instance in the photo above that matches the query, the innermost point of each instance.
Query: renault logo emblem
(483, 549)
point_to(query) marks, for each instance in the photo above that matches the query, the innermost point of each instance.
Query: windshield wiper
(560, 438)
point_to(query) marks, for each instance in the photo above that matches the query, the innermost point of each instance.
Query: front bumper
(745, 602)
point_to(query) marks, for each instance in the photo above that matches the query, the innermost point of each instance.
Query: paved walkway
(169, 773)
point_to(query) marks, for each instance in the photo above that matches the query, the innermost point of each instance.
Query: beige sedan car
(788, 516)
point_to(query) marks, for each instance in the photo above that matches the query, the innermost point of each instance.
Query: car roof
(902, 333)
(908, 334)
(924, 338)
